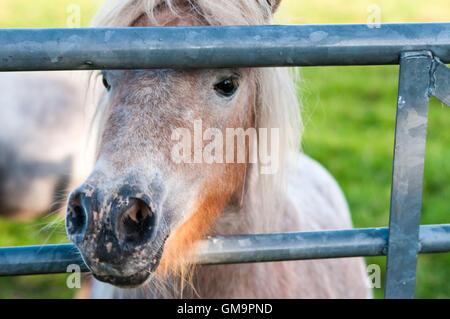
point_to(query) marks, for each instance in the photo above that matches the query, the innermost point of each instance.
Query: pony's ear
(274, 4)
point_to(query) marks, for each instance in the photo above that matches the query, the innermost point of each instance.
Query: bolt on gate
(421, 50)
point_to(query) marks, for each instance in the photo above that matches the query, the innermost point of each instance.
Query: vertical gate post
(407, 175)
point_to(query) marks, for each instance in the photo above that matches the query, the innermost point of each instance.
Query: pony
(138, 217)
(43, 119)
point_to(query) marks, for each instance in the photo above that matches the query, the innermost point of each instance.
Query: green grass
(349, 113)
(44, 13)
(45, 230)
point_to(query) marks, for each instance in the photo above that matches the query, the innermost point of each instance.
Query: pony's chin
(132, 281)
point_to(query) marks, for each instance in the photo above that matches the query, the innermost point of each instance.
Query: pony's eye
(226, 87)
(106, 84)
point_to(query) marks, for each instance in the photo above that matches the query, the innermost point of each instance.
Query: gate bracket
(440, 81)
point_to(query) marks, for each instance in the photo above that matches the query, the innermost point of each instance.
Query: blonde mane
(276, 104)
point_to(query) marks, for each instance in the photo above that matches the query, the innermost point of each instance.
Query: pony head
(163, 172)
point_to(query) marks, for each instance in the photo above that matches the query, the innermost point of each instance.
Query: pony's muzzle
(117, 231)
(129, 220)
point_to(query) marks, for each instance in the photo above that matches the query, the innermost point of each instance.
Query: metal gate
(421, 50)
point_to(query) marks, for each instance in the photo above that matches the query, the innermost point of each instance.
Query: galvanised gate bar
(421, 50)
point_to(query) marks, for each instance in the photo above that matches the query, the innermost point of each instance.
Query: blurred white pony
(44, 120)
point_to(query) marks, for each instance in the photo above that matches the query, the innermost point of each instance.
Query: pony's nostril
(76, 220)
(136, 223)
(79, 220)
